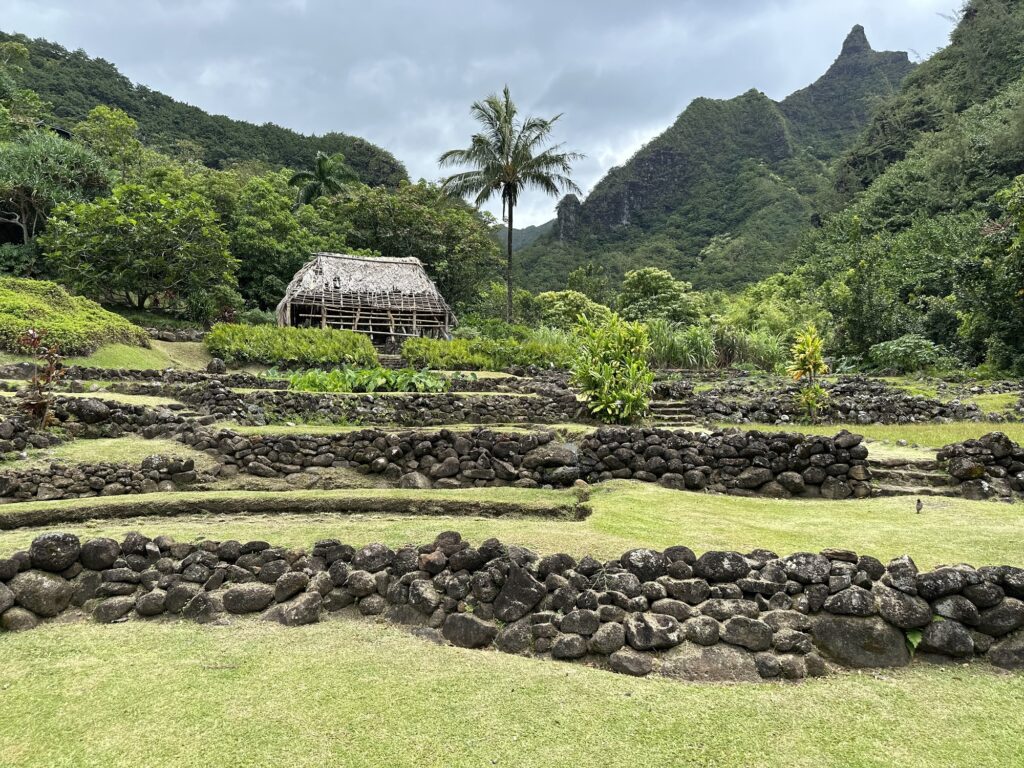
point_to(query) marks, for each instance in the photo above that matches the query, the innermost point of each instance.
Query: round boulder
(54, 552)
(721, 566)
(45, 594)
(99, 554)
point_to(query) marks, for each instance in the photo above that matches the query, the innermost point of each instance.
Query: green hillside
(73, 83)
(722, 196)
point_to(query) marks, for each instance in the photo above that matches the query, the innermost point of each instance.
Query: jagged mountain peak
(856, 42)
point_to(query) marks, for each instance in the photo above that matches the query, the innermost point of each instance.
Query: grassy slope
(351, 693)
(120, 450)
(625, 515)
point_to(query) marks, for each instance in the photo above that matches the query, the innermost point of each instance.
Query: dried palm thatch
(386, 298)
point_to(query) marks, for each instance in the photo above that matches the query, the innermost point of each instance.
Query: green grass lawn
(129, 450)
(353, 692)
(151, 401)
(624, 515)
(350, 692)
(995, 402)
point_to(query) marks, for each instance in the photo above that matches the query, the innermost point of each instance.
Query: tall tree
(329, 176)
(506, 157)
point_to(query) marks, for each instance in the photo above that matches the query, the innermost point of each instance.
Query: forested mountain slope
(74, 83)
(721, 197)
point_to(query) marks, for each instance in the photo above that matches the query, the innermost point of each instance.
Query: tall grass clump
(73, 324)
(289, 347)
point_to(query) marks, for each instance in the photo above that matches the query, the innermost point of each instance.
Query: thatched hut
(388, 299)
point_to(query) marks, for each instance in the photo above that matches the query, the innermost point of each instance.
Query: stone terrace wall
(856, 400)
(992, 465)
(72, 481)
(400, 409)
(720, 616)
(779, 465)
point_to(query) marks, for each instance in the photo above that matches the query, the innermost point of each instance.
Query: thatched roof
(399, 283)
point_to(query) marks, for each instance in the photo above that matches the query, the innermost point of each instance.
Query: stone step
(885, 489)
(390, 361)
(911, 476)
(895, 463)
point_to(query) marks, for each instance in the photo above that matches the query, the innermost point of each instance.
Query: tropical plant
(349, 379)
(506, 158)
(807, 364)
(330, 175)
(907, 354)
(45, 374)
(611, 370)
(289, 347)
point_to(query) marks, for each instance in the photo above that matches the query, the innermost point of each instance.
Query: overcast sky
(402, 73)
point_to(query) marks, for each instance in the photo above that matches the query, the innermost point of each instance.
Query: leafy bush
(611, 369)
(73, 324)
(289, 347)
(907, 354)
(348, 379)
(562, 309)
(544, 348)
(256, 317)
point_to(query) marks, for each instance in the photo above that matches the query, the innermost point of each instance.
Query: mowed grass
(130, 450)
(929, 434)
(351, 692)
(150, 401)
(624, 515)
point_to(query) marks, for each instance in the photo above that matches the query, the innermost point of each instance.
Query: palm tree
(507, 157)
(330, 176)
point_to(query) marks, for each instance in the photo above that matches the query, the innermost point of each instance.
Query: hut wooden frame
(389, 299)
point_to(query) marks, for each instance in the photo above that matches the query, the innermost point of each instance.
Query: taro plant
(349, 379)
(611, 369)
(806, 365)
(45, 374)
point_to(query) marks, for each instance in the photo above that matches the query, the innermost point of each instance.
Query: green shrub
(907, 354)
(348, 379)
(289, 347)
(611, 369)
(256, 317)
(562, 309)
(73, 324)
(544, 348)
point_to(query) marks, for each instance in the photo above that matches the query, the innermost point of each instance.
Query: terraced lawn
(624, 514)
(349, 692)
(121, 450)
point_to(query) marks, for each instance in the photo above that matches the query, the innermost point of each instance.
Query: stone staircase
(910, 477)
(671, 414)
(390, 361)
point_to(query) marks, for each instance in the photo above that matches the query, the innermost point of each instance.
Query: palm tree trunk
(508, 271)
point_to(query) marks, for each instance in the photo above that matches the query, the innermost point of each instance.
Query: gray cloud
(402, 73)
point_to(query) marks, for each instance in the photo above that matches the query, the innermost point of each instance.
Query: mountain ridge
(721, 195)
(73, 83)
